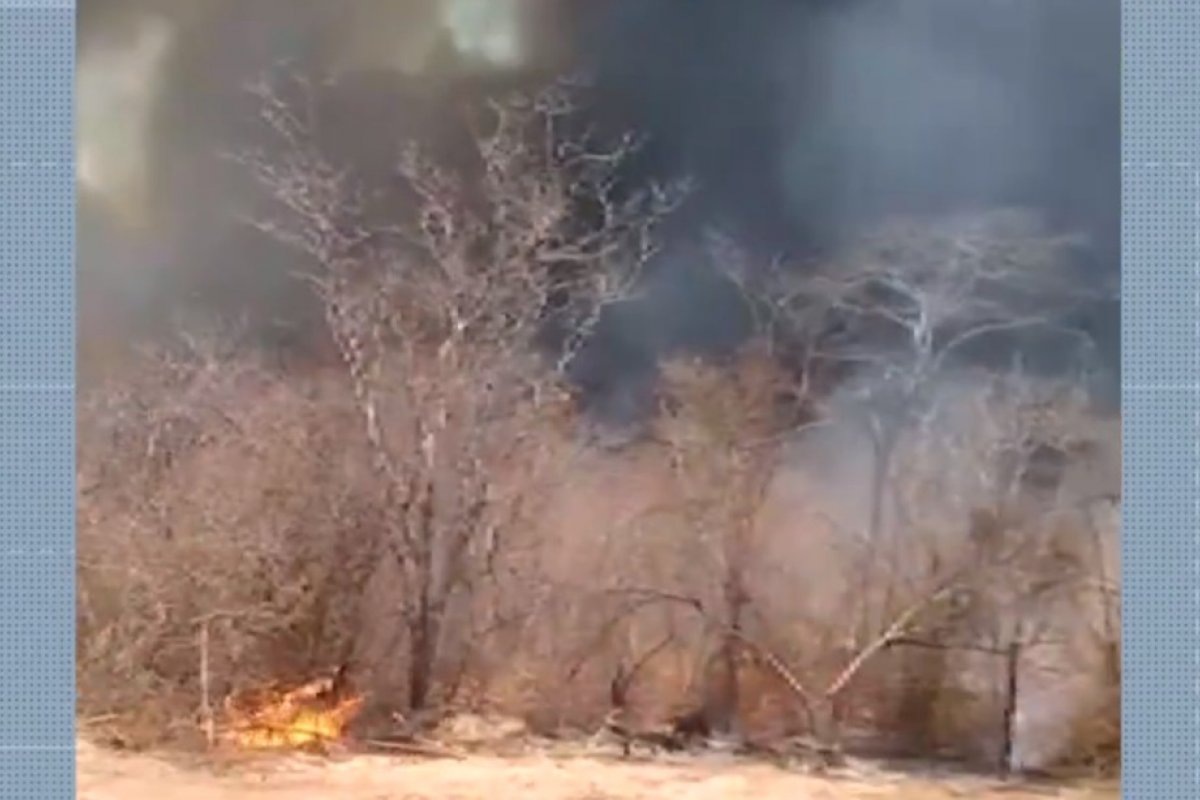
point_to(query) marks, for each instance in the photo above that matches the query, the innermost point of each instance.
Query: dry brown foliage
(787, 559)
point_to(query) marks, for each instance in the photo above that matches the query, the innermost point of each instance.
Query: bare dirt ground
(108, 775)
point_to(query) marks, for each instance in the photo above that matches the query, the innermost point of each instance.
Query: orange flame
(309, 715)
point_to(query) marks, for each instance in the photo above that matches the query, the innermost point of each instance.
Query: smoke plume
(800, 121)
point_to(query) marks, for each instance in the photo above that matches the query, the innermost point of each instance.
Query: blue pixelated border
(1160, 343)
(1160, 384)
(37, 399)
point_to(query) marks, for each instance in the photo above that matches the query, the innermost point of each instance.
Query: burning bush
(313, 714)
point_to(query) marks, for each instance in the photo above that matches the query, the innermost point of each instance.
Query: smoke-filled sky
(800, 120)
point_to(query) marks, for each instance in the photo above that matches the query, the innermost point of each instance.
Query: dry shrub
(1033, 558)
(213, 493)
(1093, 741)
(217, 490)
(423, 511)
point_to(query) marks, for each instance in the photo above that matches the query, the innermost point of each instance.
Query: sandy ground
(107, 775)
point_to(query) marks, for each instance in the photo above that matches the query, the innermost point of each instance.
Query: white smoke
(116, 88)
(492, 31)
(486, 34)
(120, 77)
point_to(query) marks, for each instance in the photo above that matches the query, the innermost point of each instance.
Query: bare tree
(899, 309)
(973, 492)
(438, 316)
(720, 424)
(889, 318)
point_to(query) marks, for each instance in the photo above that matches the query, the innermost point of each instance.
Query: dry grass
(103, 775)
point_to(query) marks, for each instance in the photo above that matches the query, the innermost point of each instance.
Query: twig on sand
(428, 749)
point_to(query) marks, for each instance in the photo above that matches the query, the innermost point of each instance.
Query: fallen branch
(99, 719)
(893, 632)
(922, 644)
(428, 749)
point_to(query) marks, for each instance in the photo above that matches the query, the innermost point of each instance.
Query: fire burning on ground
(312, 715)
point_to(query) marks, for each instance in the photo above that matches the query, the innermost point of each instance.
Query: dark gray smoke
(801, 121)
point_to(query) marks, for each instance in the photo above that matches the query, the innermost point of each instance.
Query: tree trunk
(879, 475)
(729, 694)
(422, 652)
(423, 618)
(827, 731)
(924, 678)
(880, 472)
(1012, 666)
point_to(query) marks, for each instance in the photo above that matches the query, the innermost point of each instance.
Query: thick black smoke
(806, 121)
(801, 122)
